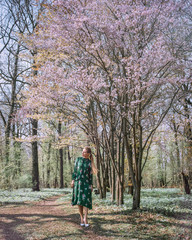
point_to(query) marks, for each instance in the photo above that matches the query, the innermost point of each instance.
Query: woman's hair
(94, 169)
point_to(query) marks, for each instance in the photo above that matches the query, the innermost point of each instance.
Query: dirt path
(58, 220)
(45, 220)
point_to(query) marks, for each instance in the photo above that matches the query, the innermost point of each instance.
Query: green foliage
(16, 173)
(24, 181)
(165, 161)
(167, 201)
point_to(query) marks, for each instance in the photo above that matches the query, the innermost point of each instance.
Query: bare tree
(18, 17)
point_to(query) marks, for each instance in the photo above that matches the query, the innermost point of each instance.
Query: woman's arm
(91, 179)
(72, 183)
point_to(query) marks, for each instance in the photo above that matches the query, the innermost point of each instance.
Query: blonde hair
(94, 169)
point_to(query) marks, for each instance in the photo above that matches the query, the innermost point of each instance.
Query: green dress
(83, 179)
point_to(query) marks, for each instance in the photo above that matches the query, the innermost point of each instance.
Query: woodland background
(113, 75)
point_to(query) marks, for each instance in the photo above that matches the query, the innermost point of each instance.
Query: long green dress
(83, 179)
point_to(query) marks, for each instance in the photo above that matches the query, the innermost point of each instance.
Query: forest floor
(54, 218)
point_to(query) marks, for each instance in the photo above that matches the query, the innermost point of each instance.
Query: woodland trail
(47, 219)
(55, 219)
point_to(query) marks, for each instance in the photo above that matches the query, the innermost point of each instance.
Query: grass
(170, 200)
(23, 195)
(164, 214)
(157, 200)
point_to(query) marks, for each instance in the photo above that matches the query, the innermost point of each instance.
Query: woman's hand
(72, 184)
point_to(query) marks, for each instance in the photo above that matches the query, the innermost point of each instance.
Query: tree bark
(56, 170)
(61, 158)
(113, 168)
(136, 196)
(17, 152)
(122, 172)
(188, 135)
(118, 167)
(186, 183)
(35, 162)
(178, 162)
(48, 165)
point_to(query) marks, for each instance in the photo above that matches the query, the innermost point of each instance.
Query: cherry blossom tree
(106, 64)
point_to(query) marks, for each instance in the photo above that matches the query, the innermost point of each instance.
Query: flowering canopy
(115, 53)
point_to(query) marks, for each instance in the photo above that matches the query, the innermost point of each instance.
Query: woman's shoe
(87, 225)
(82, 224)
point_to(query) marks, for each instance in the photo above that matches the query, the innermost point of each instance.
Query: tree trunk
(42, 172)
(56, 170)
(103, 170)
(117, 191)
(98, 165)
(122, 173)
(178, 176)
(17, 152)
(173, 173)
(48, 165)
(136, 179)
(186, 183)
(137, 187)
(136, 196)
(113, 168)
(35, 163)
(188, 135)
(61, 167)
(69, 160)
(118, 167)
(109, 173)
(61, 158)
(113, 185)
(189, 162)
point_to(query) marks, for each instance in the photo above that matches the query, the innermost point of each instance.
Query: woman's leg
(85, 216)
(81, 212)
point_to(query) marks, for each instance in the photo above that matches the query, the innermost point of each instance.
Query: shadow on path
(19, 222)
(50, 219)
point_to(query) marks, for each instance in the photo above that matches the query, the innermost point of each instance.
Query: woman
(82, 183)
